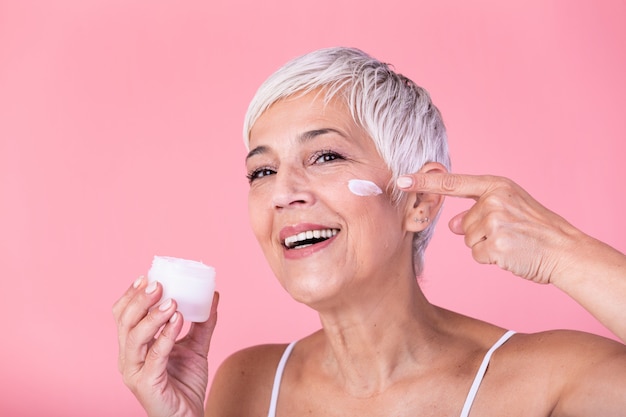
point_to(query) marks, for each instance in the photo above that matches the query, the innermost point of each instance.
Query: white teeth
(292, 241)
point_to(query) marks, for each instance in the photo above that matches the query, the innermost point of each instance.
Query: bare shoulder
(578, 373)
(243, 383)
(552, 373)
(578, 350)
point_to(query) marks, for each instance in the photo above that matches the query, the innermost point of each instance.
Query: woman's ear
(422, 208)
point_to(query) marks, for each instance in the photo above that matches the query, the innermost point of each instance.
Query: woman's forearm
(594, 275)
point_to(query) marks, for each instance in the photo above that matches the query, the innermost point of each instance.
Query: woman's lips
(303, 252)
(310, 237)
(303, 239)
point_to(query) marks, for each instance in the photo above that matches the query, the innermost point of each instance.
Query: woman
(331, 137)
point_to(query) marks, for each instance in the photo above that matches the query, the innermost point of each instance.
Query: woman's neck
(369, 341)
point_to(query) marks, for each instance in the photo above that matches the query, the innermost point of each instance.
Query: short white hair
(397, 114)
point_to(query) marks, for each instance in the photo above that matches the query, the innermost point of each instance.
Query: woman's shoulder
(242, 384)
(567, 355)
(257, 358)
(552, 348)
(567, 371)
(563, 355)
(252, 365)
(566, 345)
(578, 373)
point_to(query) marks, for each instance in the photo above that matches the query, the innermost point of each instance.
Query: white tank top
(468, 401)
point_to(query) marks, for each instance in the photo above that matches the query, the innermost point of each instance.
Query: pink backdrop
(120, 138)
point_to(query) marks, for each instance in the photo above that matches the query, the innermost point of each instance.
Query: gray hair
(397, 114)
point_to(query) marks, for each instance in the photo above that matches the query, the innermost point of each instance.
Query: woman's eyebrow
(259, 150)
(312, 134)
(303, 137)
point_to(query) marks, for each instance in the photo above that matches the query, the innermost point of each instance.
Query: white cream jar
(190, 283)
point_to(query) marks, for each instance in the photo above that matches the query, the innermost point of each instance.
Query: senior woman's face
(319, 237)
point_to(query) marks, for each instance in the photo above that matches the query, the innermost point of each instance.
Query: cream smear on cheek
(363, 188)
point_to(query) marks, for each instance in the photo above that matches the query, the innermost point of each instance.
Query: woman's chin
(311, 290)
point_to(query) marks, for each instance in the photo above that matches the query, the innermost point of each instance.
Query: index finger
(457, 185)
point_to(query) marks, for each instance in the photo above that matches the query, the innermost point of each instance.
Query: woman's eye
(326, 156)
(259, 173)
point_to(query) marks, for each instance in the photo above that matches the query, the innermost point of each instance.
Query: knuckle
(122, 323)
(158, 349)
(479, 255)
(131, 341)
(505, 184)
(154, 318)
(126, 316)
(168, 334)
(492, 224)
(129, 376)
(129, 380)
(492, 202)
(421, 181)
(451, 182)
(500, 245)
(154, 352)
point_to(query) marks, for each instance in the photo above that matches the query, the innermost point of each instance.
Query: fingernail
(165, 304)
(404, 182)
(151, 287)
(138, 282)
(174, 317)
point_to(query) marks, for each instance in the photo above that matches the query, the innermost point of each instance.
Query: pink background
(120, 138)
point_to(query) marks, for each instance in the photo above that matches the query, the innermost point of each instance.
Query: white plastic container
(190, 283)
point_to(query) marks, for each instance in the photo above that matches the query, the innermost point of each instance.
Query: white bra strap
(277, 379)
(481, 373)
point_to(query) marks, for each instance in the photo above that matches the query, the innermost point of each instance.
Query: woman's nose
(291, 188)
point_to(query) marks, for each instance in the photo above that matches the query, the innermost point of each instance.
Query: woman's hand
(506, 226)
(509, 228)
(168, 377)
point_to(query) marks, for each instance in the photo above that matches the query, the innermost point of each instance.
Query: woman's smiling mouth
(310, 237)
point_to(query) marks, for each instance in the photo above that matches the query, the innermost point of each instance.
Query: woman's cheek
(363, 188)
(257, 213)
